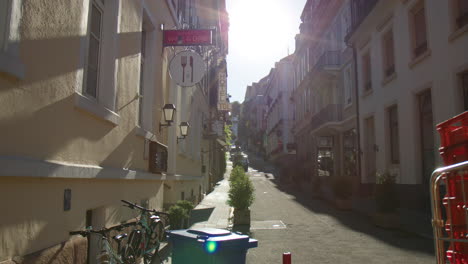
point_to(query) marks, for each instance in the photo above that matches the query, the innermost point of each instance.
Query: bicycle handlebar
(133, 206)
(103, 231)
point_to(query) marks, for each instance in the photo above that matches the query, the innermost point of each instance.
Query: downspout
(358, 127)
(358, 123)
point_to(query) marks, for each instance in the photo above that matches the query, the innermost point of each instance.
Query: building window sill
(347, 106)
(457, 33)
(141, 132)
(84, 103)
(11, 65)
(420, 58)
(389, 78)
(367, 92)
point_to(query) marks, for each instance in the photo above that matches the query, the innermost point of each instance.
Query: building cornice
(11, 166)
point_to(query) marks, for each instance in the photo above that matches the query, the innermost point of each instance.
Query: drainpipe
(358, 127)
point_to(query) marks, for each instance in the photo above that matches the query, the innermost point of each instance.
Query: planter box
(343, 204)
(241, 217)
(386, 220)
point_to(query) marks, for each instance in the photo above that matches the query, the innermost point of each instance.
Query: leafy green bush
(241, 191)
(223, 163)
(177, 215)
(386, 197)
(342, 187)
(187, 205)
(237, 172)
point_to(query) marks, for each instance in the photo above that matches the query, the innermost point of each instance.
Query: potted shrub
(188, 207)
(342, 188)
(241, 196)
(179, 214)
(237, 172)
(386, 201)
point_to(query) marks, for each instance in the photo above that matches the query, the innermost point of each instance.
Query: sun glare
(259, 26)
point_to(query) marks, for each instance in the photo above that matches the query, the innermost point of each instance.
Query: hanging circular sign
(187, 68)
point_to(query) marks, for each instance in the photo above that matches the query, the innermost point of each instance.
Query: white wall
(436, 72)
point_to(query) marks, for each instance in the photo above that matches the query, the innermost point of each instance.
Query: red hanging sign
(188, 37)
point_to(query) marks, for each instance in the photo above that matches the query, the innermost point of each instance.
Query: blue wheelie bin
(209, 245)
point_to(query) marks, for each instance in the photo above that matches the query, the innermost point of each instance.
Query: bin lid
(209, 232)
(223, 238)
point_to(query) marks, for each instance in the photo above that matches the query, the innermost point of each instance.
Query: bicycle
(107, 255)
(145, 241)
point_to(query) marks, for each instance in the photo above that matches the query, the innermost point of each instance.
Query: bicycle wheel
(157, 234)
(103, 257)
(134, 242)
(128, 255)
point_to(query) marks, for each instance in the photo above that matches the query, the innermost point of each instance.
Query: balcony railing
(359, 11)
(329, 59)
(330, 113)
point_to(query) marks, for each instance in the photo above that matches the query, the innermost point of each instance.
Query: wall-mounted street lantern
(168, 112)
(184, 129)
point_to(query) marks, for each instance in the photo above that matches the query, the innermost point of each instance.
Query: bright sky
(260, 33)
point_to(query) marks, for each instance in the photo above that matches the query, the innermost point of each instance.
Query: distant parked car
(239, 159)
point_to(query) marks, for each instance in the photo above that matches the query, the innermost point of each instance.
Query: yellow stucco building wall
(53, 137)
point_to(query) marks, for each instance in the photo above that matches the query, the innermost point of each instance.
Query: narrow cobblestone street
(316, 232)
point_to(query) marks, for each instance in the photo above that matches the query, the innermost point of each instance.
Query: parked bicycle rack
(450, 209)
(450, 213)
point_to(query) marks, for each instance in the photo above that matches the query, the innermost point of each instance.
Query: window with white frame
(394, 137)
(347, 84)
(98, 91)
(94, 48)
(419, 29)
(388, 53)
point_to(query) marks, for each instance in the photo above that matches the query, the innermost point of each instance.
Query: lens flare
(211, 246)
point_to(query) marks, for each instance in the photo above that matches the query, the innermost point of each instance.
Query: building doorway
(426, 133)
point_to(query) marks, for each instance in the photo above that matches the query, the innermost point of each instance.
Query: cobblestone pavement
(316, 232)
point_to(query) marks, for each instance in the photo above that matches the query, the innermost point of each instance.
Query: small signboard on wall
(187, 68)
(188, 37)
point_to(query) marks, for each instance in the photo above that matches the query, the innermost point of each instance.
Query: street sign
(188, 37)
(187, 68)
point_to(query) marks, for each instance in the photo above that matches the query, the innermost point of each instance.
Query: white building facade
(412, 69)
